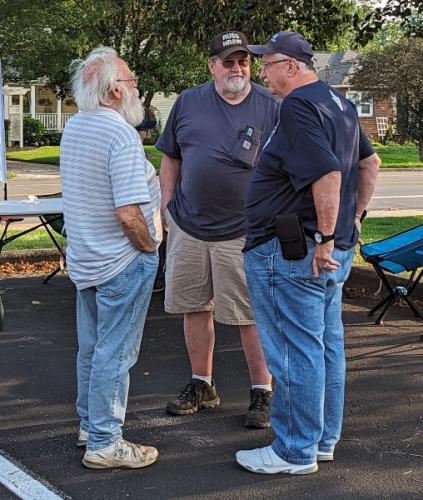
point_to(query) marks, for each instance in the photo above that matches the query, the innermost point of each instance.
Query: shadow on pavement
(380, 455)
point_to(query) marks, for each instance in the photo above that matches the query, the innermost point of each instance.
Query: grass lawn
(392, 156)
(33, 240)
(50, 155)
(399, 156)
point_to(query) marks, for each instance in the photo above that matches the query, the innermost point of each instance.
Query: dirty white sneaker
(324, 456)
(121, 454)
(265, 461)
(82, 438)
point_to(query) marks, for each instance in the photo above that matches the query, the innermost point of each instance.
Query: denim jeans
(110, 323)
(299, 319)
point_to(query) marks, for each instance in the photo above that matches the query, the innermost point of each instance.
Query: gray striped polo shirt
(103, 167)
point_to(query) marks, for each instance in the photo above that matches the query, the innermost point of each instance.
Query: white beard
(131, 108)
(235, 85)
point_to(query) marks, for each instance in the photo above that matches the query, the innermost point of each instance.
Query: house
(376, 114)
(40, 102)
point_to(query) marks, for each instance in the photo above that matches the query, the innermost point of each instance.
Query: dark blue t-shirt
(210, 136)
(318, 133)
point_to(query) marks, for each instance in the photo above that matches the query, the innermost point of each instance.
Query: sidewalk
(380, 455)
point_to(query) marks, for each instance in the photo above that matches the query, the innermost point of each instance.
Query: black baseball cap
(146, 124)
(289, 43)
(227, 43)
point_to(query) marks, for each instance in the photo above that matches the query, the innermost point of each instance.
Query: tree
(409, 14)
(397, 71)
(164, 41)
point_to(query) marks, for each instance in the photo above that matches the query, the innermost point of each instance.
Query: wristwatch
(320, 238)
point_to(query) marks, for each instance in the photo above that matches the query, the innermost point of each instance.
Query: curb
(38, 255)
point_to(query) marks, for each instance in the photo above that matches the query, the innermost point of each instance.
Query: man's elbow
(372, 164)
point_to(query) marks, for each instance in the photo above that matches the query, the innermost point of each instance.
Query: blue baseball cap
(289, 43)
(146, 124)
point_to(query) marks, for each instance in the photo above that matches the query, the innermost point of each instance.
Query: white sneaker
(121, 454)
(324, 456)
(82, 438)
(265, 461)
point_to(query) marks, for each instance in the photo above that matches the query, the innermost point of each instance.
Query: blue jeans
(300, 325)
(110, 323)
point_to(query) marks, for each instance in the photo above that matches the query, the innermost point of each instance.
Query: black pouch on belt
(290, 232)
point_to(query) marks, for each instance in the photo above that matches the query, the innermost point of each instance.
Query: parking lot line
(22, 484)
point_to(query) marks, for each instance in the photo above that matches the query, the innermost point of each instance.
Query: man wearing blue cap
(304, 205)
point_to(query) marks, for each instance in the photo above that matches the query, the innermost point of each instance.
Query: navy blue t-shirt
(210, 136)
(318, 133)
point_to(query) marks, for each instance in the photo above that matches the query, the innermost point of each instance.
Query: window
(362, 101)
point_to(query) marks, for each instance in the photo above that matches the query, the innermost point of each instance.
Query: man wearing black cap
(304, 205)
(211, 143)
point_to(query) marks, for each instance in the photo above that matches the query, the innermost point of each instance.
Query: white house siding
(164, 105)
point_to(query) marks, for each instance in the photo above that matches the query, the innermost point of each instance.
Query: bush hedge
(35, 134)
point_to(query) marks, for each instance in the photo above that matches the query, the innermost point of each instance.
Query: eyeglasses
(267, 66)
(132, 79)
(230, 63)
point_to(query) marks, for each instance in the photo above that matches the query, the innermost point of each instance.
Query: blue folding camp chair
(397, 254)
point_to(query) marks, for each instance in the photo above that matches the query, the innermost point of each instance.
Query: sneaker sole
(280, 470)
(81, 444)
(115, 465)
(324, 458)
(254, 424)
(205, 405)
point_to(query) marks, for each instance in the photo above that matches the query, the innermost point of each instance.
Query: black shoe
(159, 285)
(195, 396)
(259, 409)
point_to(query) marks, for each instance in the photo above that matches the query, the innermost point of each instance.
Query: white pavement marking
(22, 484)
(397, 196)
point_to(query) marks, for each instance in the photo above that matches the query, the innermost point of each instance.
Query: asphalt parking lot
(380, 455)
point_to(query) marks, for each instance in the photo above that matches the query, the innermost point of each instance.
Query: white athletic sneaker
(324, 456)
(121, 454)
(82, 438)
(265, 461)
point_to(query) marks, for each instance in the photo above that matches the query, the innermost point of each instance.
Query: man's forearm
(135, 227)
(170, 172)
(368, 170)
(326, 195)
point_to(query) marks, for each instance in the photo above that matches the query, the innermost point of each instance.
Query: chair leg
(51, 275)
(380, 304)
(385, 309)
(414, 307)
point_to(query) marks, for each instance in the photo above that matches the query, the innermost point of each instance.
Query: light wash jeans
(299, 319)
(110, 323)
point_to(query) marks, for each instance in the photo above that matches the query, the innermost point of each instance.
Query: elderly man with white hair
(111, 204)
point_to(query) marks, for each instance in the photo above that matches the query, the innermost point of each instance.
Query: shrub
(6, 129)
(33, 131)
(35, 134)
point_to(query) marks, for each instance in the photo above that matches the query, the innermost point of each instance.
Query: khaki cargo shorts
(206, 276)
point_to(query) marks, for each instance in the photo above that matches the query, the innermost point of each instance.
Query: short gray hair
(92, 77)
(301, 64)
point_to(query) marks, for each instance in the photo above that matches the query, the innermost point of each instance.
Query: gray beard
(235, 85)
(131, 109)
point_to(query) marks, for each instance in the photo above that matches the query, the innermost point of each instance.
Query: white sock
(207, 379)
(265, 387)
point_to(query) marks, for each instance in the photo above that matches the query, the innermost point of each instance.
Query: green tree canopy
(397, 70)
(164, 41)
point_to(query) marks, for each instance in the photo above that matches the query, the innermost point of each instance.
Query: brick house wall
(382, 107)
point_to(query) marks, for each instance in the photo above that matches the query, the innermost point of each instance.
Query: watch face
(318, 237)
